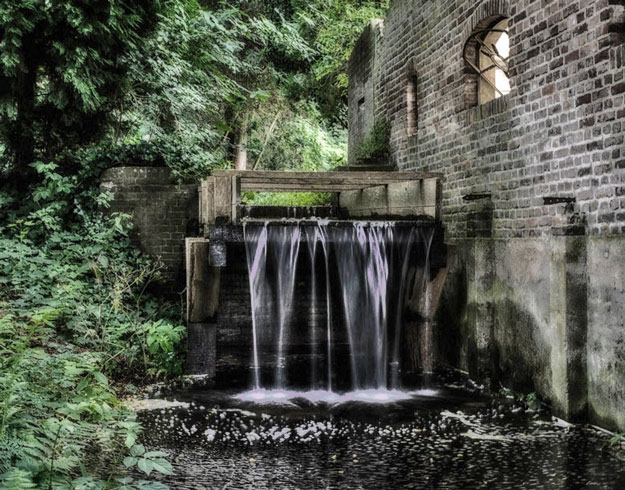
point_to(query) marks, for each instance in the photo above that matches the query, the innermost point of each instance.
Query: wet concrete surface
(452, 437)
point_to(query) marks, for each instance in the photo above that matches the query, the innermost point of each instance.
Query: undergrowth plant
(76, 313)
(377, 143)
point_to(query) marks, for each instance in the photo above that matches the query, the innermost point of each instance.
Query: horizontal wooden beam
(267, 180)
(299, 187)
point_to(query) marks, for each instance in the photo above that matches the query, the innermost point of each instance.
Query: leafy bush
(75, 310)
(376, 144)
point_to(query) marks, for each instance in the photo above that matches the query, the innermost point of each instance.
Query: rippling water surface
(445, 437)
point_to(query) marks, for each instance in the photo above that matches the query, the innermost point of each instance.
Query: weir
(343, 303)
(365, 266)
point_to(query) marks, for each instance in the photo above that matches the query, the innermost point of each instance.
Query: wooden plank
(301, 187)
(223, 189)
(207, 203)
(399, 198)
(278, 181)
(329, 177)
(236, 198)
(203, 282)
(223, 197)
(202, 202)
(324, 181)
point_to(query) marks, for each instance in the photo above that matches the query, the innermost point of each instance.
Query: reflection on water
(450, 437)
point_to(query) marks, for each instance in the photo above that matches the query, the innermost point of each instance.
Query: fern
(17, 479)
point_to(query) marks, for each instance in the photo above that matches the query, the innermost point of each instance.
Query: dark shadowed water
(448, 437)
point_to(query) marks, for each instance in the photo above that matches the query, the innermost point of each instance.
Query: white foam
(264, 396)
(377, 396)
(425, 393)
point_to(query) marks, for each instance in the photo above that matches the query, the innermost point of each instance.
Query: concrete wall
(164, 213)
(414, 198)
(516, 313)
(606, 331)
(535, 296)
(541, 314)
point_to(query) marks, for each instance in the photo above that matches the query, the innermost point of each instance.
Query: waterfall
(283, 242)
(312, 253)
(366, 268)
(256, 253)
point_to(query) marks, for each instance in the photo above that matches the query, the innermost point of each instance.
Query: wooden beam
(332, 181)
(300, 187)
(356, 175)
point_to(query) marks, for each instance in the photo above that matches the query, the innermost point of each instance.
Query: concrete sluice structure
(344, 302)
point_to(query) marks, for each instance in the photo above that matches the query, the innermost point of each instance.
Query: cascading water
(366, 268)
(256, 253)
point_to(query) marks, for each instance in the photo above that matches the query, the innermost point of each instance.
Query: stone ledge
(128, 175)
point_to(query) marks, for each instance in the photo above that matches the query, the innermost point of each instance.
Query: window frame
(476, 46)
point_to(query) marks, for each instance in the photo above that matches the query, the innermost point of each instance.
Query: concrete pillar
(569, 318)
(203, 289)
(481, 271)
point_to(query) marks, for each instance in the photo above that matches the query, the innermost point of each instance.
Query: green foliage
(177, 79)
(17, 479)
(300, 140)
(532, 401)
(148, 462)
(74, 312)
(616, 439)
(192, 83)
(376, 144)
(333, 27)
(287, 198)
(61, 69)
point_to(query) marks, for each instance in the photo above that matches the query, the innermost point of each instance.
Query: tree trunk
(22, 138)
(240, 161)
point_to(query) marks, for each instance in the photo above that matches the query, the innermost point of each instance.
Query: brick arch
(485, 10)
(410, 69)
(484, 15)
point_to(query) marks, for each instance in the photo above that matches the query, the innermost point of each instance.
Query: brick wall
(164, 213)
(560, 132)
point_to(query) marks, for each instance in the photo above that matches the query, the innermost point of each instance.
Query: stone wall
(534, 298)
(362, 87)
(164, 213)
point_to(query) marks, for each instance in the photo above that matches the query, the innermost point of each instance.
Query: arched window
(486, 54)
